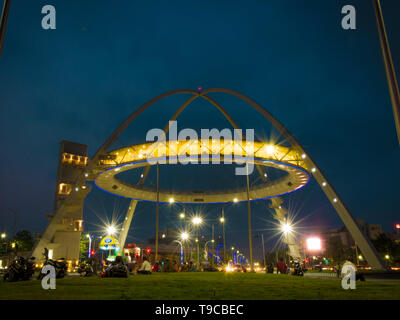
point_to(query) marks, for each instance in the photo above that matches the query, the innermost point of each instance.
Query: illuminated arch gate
(93, 167)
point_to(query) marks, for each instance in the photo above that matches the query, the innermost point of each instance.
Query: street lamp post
(212, 237)
(263, 248)
(205, 247)
(111, 230)
(198, 251)
(249, 218)
(196, 221)
(181, 250)
(184, 236)
(222, 220)
(182, 216)
(265, 262)
(90, 244)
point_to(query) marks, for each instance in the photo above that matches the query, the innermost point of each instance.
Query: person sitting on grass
(145, 268)
(281, 266)
(156, 267)
(192, 267)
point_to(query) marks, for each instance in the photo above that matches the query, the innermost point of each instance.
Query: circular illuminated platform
(212, 151)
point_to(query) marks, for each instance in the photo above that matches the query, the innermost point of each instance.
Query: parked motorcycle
(60, 267)
(117, 269)
(20, 269)
(298, 270)
(85, 269)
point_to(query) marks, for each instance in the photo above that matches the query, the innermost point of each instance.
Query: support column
(249, 219)
(157, 210)
(389, 67)
(127, 223)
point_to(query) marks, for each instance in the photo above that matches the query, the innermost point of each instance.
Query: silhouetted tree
(24, 240)
(384, 245)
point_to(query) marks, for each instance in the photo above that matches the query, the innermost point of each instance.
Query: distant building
(63, 233)
(371, 230)
(394, 236)
(344, 236)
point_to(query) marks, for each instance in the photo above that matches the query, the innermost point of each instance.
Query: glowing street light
(387, 257)
(286, 228)
(222, 219)
(182, 215)
(197, 220)
(171, 200)
(184, 236)
(3, 235)
(235, 200)
(314, 244)
(111, 230)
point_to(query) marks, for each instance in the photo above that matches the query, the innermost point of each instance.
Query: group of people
(281, 267)
(143, 266)
(172, 266)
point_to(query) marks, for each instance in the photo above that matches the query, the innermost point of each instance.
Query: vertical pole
(90, 245)
(187, 245)
(249, 218)
(181, 253)
(358, 262)
(157, 211)
(389, 67)
(3, 22)
(223, 232)
(212, 238)
(198, 248)
(265, 263)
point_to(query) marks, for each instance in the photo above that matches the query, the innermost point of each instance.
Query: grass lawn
(180, 286)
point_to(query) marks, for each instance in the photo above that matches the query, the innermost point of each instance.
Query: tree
(386, 246)
(337, 252)
(83, 247)
(24, 240)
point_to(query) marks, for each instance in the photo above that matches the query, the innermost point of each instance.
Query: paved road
(322, 275)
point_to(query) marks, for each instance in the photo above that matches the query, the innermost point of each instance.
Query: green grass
(245, 286)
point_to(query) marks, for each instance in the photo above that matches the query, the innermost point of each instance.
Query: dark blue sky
(105, 59)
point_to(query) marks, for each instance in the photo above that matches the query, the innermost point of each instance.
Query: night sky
(106, 58)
